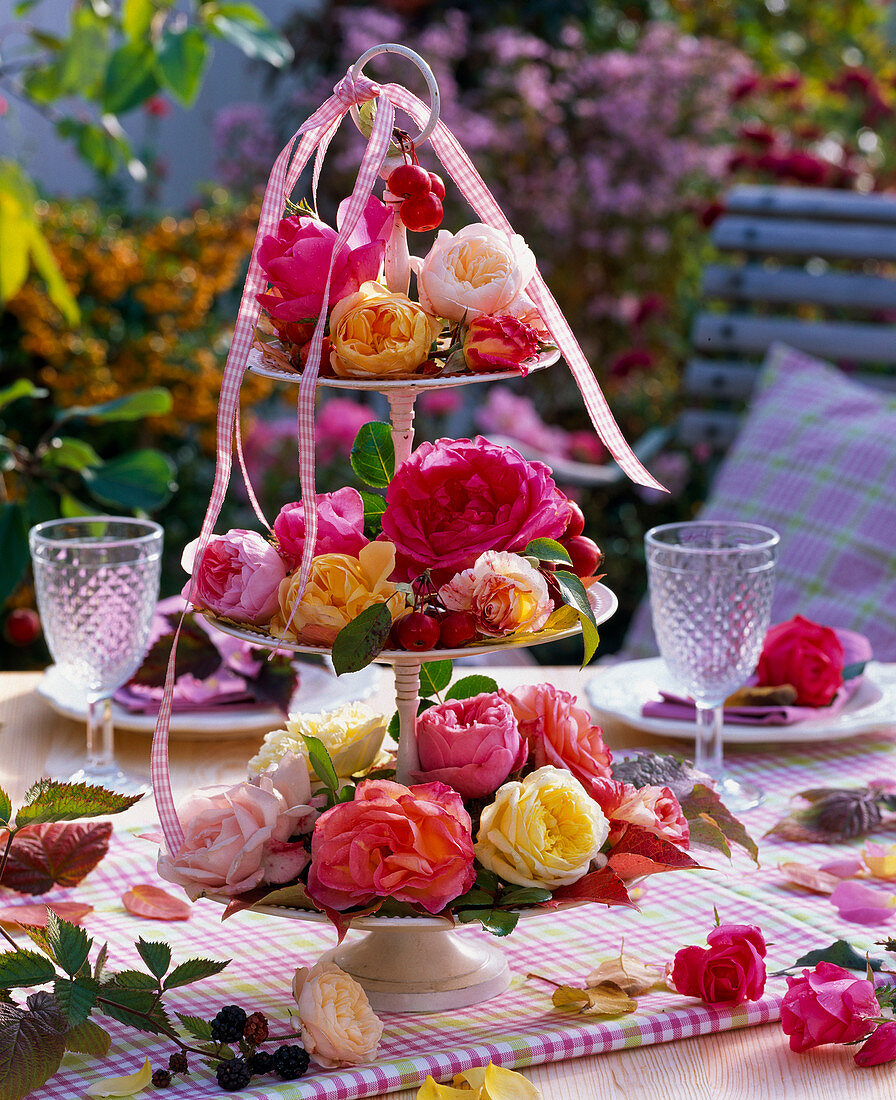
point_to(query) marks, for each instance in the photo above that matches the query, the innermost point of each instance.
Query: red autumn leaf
(640, 852)
(603, 886)
(153, 903)
(58, 853)
(36, 915)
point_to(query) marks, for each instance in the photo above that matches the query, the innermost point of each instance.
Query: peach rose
(339, 1028)
(653, 808)
(542, 831)
(479, 270)
(503, 592)
(339, 588)
(377, 332)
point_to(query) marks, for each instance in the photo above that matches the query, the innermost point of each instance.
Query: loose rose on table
(339, 1028)
(806, 655)
(729, 970)
(827, 1005)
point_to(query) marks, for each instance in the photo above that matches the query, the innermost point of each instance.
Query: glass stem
(708, 755)
(99, 733)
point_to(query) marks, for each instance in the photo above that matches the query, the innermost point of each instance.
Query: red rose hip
(585, 553)
(409, 180)
(437, 186)
(421, 213)
(22, 626)
(576, 524)
(456, 628)
(417, 631)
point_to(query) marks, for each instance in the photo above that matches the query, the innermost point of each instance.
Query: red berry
(456, 628)
(417, 631)
(437, 186)
(409, 179)
(421, 213)
(22, 626)
(576, 523)
(585, 553)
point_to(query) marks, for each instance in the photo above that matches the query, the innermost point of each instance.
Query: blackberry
(290, 1062)
(260, 1062)
(255, 1030)
(233, 1074)
(161, 1078)
(177, 1063)
(227, 1026)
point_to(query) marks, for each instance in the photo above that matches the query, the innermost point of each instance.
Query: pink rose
(827, 1005)
(500, 343)
(806, 655)
(409, 843)
(879, 1047)
(238, 576)
(456, 498)
(559, 733)
(230, 834)
(471, 744)
(653, 808)
(340, 526)
(296, 258)
(503, 592)
(731, 970)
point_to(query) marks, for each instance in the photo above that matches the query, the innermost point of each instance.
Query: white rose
(352, 734)
(339, 1028)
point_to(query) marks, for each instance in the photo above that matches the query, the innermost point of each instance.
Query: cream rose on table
(503, 593)
(376, 332)
(542, 831)
(339, 1028)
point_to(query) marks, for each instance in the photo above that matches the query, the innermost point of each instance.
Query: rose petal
(35, 915)
(122, 1086)
(812, 878)
(863, 904)
(843, 868)
(153, 903)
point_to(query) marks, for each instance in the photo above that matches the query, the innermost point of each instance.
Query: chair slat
(725, 379)
(777, 237)
(753, 282)
(709, 428)
(811, 202)
(737, 334)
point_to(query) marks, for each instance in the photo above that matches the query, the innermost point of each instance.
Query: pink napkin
(856, 649)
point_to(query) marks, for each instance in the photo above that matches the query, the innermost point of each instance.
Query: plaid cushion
(815, 460)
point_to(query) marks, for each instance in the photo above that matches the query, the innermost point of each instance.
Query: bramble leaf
(49, 800)
(54, 854)
(195, 1026)
(70, 945)
(31, 1045)
(88, 1037)
(194, 970)
(76, 997)
(157, 956)
(24, 968)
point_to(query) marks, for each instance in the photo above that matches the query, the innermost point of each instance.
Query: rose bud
(500, 343)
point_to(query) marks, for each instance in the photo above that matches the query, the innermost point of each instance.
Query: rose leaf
(435, 676)
(573, 593)
(361, 640)
(5, 807)
(48, 800)
(55, 854)
(840, 953)
(496, 921)
(548, 550)
(468, 686)
(196, 654)
(32, 1043)
(373, 454)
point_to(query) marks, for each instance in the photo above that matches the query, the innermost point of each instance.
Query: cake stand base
(425, 970)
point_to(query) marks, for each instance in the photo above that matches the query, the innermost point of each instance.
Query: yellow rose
(339, 588)
(352, 734)
(377, 332)
(542, 831)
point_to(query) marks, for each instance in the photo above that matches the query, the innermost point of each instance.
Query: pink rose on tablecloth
(503, 592)
(238, 576)
(559, 733)
(827, 1005)
(500, 343)
(229, 835)
(653, 808)
(471, 744)
(456, 498)
(879, 1047)
(296, 259)
(340, 526)
(409, 843)
(805, 654)
(730, 970)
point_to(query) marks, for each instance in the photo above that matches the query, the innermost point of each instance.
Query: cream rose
(339, 1028)
(503, 592)
(339, 588)
(352, 734)
(479, 270)
(377, 332)
(541, 831)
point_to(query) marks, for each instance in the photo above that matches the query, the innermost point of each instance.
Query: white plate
(620, 691)
(319, 689)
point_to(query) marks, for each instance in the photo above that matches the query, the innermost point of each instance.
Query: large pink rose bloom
(559, 733)
(827, 1005)
(238, 576)
(297, 257)
(413, 844)
(471, 744)
(456, 498)
(340, 526)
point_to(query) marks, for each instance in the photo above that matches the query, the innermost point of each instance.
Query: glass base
(112, 778)
(739, 795)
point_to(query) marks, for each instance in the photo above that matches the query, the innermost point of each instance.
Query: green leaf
(5, 807)
(475, 898)
(181, 60)
(68, 453)
(321, 762)
(22, 387)
(76, 997)
(373, 454)
(134, 979)
(24, 968)
(136, 18)
(261, 42)
(374, 506)
(855, 669)
(69, 943)
(31, 1045)
(83, 59)
(138, 1008)
(195, 1026)
(88, 1037)
(496, 921)
(468, 686)
(42, 83)
(359, 641)
(157, 956)
(840, 953)
(548, 550)
(130, 77)
(141, 480)
(155, 401)
(13, 548)
(72, 508)
(435, 676)
(702, 803)
(573, 593)
(15, 232)
(527, 896)
(49, 800)
(46, 266)
(194, 970)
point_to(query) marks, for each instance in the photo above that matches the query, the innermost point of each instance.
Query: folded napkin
(856, 649)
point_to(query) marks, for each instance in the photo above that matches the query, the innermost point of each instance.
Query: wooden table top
(750, 1062)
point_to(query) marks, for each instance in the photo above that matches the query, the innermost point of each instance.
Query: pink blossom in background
(245, 144)
(267, 446)
(340, 526)
(338, 421)
(508, 414)
(442, 402)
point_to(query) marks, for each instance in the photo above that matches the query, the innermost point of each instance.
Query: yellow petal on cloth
(493, 1082)
(122, 1086)
(880, 861)
(432, 1090)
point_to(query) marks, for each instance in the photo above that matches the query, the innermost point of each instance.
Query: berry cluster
(233, 1025)
(177, 1063)
(422, 192)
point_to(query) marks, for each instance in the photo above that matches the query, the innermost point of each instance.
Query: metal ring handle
(434, 98)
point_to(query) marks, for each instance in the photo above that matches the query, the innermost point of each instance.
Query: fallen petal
(36, 915)
(122, 1086)
(506, 1084)
(155, 904)
(863, 904)
(810, 878)
(848, 867)
(880, 860)
(431, 1090)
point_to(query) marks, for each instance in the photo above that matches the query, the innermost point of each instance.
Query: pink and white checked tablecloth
(520, 1027)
